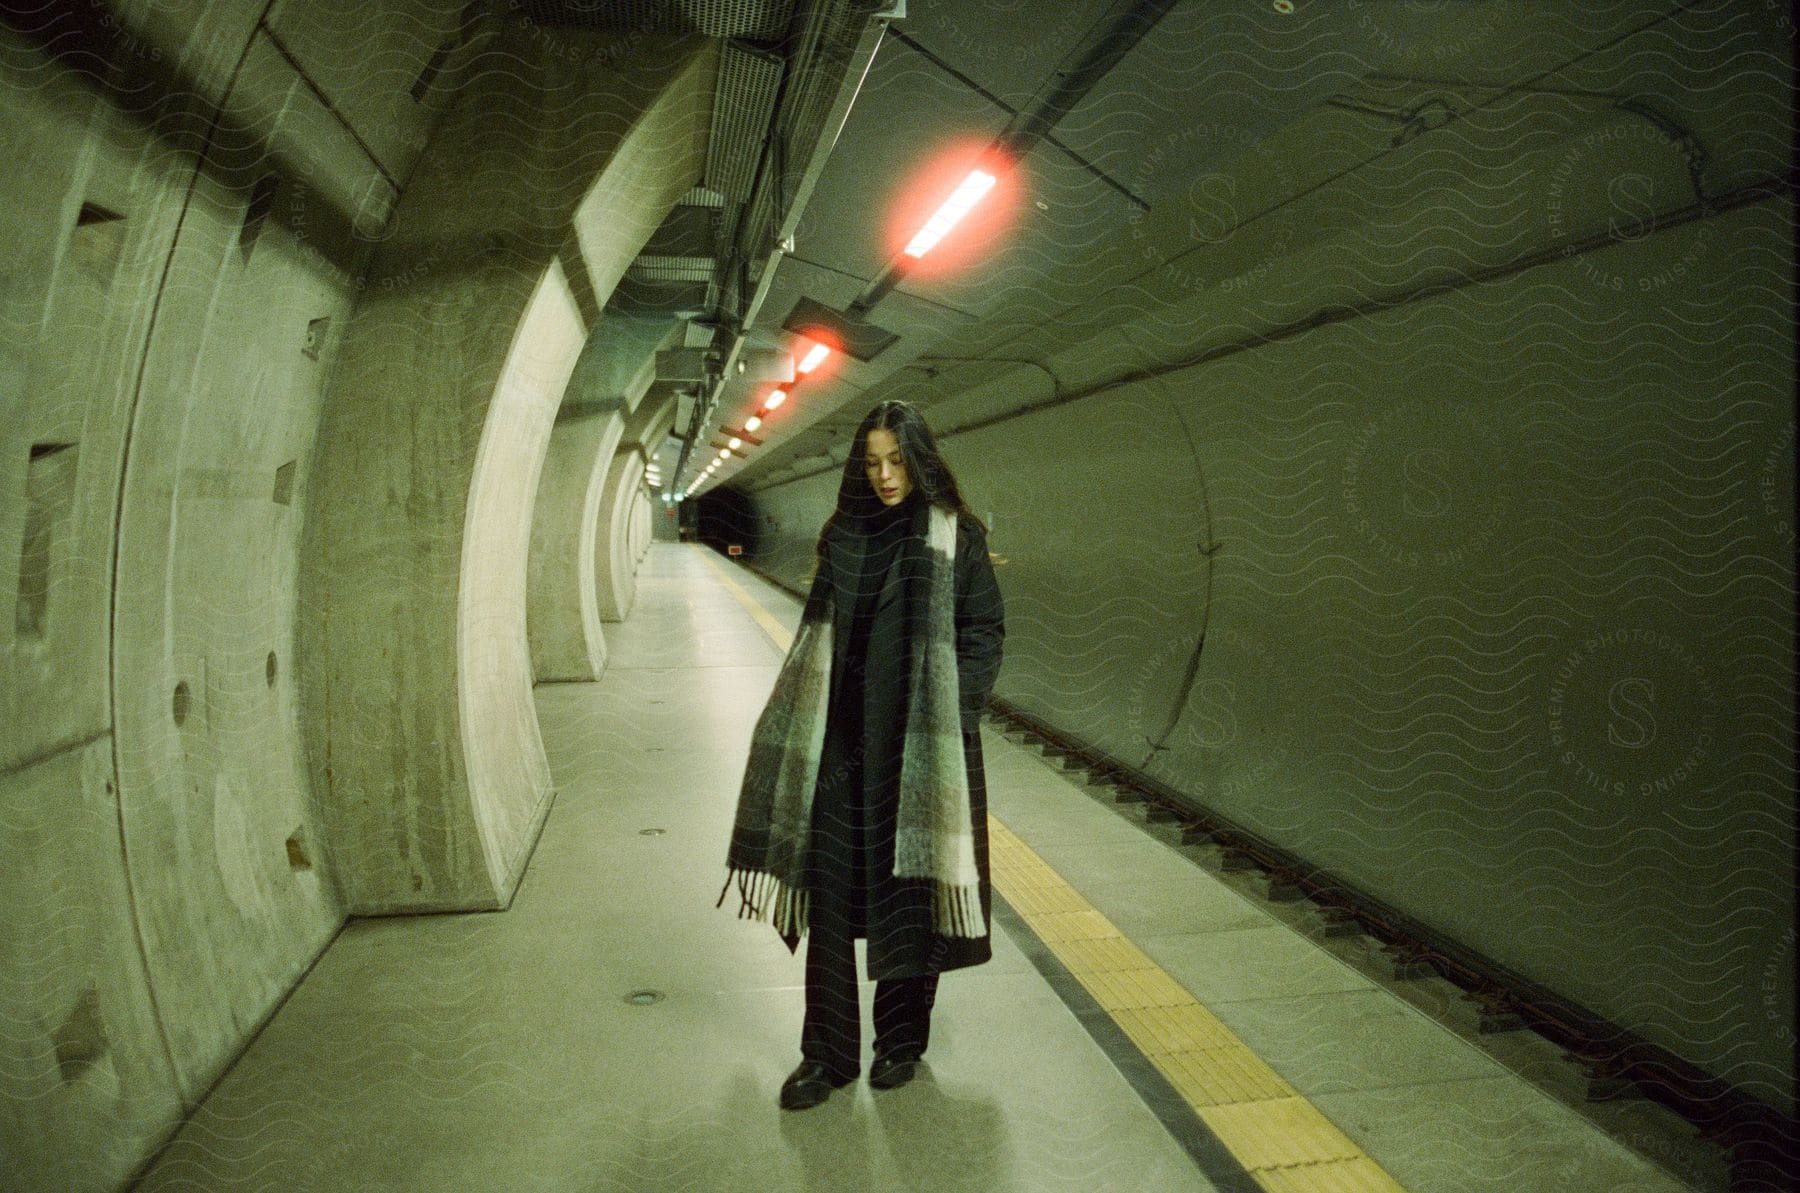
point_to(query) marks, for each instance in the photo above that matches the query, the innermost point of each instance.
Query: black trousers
(832, 1035)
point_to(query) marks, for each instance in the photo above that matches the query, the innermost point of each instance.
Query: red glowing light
(973, 189)
(814, 357)
(947, 216)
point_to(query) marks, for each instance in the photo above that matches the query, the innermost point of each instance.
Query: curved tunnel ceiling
(1199, 95)
(1160, 117)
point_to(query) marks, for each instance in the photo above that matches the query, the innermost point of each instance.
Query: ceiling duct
(761, 20)
(689, 230)
(698, 333)
(758, 366)
(681, 365)
(667, 285)
(823, 63)
(679, 267)
(742, 104)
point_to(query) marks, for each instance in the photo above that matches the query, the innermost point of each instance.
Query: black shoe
(809, 1085)
(893, 1069)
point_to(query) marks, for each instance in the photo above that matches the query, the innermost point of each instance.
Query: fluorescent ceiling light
(813, 359)
(977, 184)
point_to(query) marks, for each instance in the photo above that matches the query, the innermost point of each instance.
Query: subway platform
(1148, 1021)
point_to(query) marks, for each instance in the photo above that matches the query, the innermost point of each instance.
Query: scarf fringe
(760, 893)
(956, 909)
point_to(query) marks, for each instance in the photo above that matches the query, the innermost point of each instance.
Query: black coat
(861, 762)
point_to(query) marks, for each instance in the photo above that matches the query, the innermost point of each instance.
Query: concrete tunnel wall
(1497, 626)
(163, 874)
(206, 305)
(571, 591)
(625, 535)
(567, 641)
(444, 404)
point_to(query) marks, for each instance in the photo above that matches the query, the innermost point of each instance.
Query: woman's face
(887, 472)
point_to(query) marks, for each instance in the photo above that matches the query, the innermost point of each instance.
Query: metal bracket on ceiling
(1428, 115)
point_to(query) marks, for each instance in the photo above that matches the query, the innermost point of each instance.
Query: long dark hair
(925, 468)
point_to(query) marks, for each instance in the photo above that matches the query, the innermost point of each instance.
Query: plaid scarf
(933, 835)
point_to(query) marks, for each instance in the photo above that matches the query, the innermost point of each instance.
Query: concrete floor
(501, 1051)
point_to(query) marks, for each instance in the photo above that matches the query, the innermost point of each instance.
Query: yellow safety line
(777, 632)
(1280, 1138)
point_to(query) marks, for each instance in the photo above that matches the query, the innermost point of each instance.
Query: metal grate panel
(762, 20)
(649, 268)
(742, 105)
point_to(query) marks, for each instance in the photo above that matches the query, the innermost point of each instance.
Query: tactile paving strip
(1279, 1137)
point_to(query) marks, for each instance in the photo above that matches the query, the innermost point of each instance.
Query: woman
(863, 811)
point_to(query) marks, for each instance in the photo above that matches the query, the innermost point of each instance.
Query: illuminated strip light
(813, 359)
(976, 185)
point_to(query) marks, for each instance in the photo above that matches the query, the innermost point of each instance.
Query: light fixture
(814, 357)
(969, 193)
(734, 442)
(851, 335)
(753, 422)
(775, 399)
